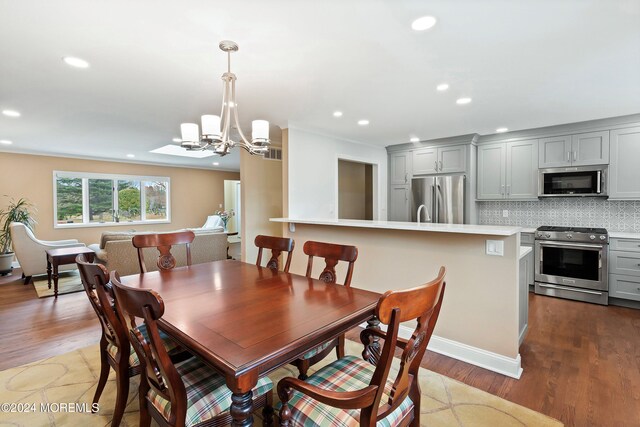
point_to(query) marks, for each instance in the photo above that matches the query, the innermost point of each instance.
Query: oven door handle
(571, 245)
(569, 289)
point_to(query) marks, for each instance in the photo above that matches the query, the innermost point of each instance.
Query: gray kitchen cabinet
(624, 268)
(555, 152)
(624, 172)
(582, 149)
(508, 170)
(491, 179)
(400, 168)
(528, 239)
(445, 159)
(523, 297)
(425, 161)
(590, 149)
(522, 169)
(399, 203)
(452, 159)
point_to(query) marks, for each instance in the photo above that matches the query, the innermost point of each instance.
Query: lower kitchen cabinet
(624, 269)
(523, 296)
(399, 203)
(527, 239)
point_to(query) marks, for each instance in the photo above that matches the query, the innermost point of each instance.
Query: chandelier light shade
(216, 130)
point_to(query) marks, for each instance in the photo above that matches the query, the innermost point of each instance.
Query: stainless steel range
(572, 262)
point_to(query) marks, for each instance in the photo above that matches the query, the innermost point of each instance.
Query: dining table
(245, 321)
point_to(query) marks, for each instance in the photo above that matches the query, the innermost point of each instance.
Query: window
(88, 199)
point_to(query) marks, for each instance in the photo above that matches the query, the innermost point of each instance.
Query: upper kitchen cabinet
(508, 170)
(624, 172)
(574, 150)
(400, 168)
(444, 159)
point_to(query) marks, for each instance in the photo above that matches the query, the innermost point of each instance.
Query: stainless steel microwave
(581, 181)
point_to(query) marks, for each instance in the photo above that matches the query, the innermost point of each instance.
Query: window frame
(86, 176)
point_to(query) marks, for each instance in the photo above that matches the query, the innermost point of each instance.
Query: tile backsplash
(623, 216)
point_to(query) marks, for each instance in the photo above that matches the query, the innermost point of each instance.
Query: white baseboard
(476, 356)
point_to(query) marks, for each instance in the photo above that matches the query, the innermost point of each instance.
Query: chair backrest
(422, 304)
(277, 246)
(163, 242)
(160, 373)
(332, 254)
(95, 279)
(22, 237)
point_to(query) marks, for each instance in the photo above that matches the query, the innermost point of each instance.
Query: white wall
(313, 173)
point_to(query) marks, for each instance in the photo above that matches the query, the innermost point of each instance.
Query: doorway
(355, 190)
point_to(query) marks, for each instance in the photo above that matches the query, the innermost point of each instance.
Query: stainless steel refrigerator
(442, 197)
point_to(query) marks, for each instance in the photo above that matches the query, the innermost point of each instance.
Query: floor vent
(274, 154)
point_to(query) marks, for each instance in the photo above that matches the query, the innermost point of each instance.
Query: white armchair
(31, 251)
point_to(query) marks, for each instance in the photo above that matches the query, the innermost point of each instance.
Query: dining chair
(352, 391)
(277, 246)
(188, 393)
(115, 350)
(163, 242)
(332, 254)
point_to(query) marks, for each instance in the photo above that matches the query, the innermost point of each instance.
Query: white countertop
(528, 230)
(493, 230)
(624, 235)
(524, 250)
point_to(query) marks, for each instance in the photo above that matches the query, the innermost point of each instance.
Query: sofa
(116, 252)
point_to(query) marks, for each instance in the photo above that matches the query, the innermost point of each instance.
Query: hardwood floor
(581, 361)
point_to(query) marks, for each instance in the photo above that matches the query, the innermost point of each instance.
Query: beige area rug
(68, 282)
(72, 378)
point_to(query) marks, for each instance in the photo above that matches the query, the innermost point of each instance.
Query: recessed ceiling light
(216, 163)
(5, 142)
(177, 139)
(337, 114)
(502, 130)
(442, 87)
(414, 139)
(11, 113)
(363, 122)
(463, 101)
(131, 156)
(75, 62)
(424, 23)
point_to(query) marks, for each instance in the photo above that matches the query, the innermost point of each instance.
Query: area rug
(68, 282)
(72, 377)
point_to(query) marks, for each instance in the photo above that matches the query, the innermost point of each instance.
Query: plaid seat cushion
(169, 344)
(207, 392)
(349, 373)
(309, 354)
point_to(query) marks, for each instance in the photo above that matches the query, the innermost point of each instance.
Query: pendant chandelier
(216, 130)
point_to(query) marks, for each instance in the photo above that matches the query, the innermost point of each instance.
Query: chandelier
(216, 130)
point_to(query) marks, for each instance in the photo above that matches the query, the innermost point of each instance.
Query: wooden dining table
(245, 321)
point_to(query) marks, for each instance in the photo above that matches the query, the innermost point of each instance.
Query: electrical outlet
(505, 213)
(220, 205)
(292, 227)
(495, 247)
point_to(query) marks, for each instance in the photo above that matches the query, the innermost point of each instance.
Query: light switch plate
(505, 213)
(495, 247)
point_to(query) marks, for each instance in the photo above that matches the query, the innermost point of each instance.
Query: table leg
(55, 279)
(242, 409)
(372, 351)
(48, 272)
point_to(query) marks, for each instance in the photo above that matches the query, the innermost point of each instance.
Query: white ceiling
(155, 64)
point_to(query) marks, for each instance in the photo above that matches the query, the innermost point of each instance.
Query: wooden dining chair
(115, 350)
(188, 393)
(277, 246)
(352, 391)
(332, 254)
(163, 242)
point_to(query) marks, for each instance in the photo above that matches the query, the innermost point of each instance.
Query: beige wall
(195, 193)
(354, 190)
(480, 306)
(261, 199)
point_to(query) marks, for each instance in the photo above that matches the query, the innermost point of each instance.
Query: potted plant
(14, 212)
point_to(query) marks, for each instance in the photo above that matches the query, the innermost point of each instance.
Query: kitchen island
(479, 321)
